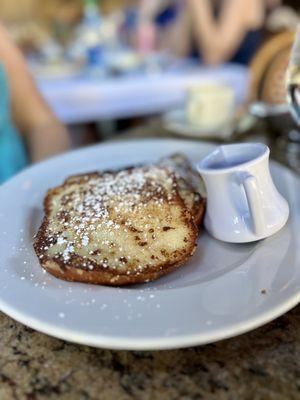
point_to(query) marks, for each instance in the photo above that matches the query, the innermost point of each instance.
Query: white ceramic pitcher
(243, 204)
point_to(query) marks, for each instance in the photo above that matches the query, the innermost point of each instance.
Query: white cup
(243, 204)
(210, 107)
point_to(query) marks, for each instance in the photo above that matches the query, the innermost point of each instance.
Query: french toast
(118, 228)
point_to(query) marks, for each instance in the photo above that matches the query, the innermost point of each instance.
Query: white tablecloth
(84, 99)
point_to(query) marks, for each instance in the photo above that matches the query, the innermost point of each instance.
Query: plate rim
(154, 344)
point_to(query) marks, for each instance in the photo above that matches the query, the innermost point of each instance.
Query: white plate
(223, 291)
(176, 122)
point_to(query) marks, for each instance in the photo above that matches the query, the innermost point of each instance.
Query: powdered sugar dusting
(93, 203)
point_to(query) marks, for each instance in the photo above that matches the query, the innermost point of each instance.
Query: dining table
(261, 364)
(83, 98)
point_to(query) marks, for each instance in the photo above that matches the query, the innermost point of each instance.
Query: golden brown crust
(107, 277)
(198, 210)
(110, 277)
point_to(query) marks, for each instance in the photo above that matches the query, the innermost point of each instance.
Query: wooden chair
(268, 69)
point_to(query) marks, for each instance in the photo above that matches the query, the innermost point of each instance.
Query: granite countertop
(263, 364)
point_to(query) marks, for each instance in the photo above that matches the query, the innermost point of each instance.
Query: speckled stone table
(263, 364)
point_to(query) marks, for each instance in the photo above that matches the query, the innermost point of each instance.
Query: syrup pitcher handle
(254, 200)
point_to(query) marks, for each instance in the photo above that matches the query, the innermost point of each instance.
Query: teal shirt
(12, 151)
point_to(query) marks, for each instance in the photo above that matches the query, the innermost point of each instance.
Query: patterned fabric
(12, 151)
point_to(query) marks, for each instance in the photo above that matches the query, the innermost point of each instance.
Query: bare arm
(218, 40)
(178, 37)
(43, 132)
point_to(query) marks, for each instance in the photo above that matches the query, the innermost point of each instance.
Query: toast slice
(116, 228)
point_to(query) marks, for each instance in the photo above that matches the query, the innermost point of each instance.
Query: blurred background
(117, 69)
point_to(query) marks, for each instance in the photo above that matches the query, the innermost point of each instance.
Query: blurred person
(229, 29)
(213, 30)
(29, 131)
